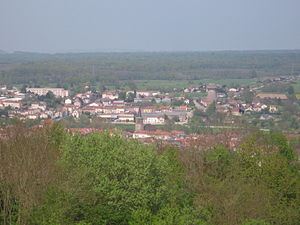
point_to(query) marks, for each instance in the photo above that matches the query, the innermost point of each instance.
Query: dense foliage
(68, 70)
(48, 176)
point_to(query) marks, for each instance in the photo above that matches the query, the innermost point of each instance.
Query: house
(92, 109)
(157, 100)
(68, 101)
(50, 113)
(118, 102)
(114, 109)
(248, 108)
(76, 113)
(125, 117)
(78, 102)
(142, 134)
(68, 109)
(161, 135)
(153, 120)
(147, 93)
(236, 112)
(112, 95)
(181, 116)
(233, 90)
(86, 100)
(19, 95)
(221, 95)
(187, 101)
(189, 89)
(132, 109)
(106, 101)
(58, 92)
(143, 100)
(108, 116)
(272, 96)
(164, 109)
(273, 109)
(9, 103)
(39, 105)
(44, 116)
(57, 115)
(148, 109)
(263, 106)
(94, 104)
(255, 102)
(32, 117)
(166, 100)
(205, 101)
(183, 107)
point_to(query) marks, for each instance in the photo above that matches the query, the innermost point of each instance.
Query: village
(146, 110)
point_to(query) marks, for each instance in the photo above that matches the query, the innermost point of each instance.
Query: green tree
(291, 90)
(131, 96)
(111, 179)
(23, 89)
(122, 95)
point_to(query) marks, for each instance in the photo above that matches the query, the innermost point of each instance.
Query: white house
(154, 120)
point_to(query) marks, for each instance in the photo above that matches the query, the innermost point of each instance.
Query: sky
(148, 25)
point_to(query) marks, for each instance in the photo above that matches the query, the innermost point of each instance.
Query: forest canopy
(48, 176)
(71, 69)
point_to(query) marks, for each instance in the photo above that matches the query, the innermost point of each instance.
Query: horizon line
(140, 51)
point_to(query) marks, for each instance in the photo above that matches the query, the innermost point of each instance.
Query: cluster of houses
(13, 101)
(175, 137)
(154, 107)
(107, 105)
(278, 79)
(238, 107)
(230, 102)
(10, 98)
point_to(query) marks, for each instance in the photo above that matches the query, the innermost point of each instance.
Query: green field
(168, 84)
(297, 86)
(150, 84)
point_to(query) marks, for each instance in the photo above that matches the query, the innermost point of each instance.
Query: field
(297, 86)
(150, 84)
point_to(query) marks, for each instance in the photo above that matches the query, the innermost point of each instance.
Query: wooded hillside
(48, 176)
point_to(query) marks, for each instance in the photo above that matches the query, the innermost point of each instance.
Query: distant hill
(2, 52)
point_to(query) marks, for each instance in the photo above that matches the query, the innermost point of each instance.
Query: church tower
(139, 124)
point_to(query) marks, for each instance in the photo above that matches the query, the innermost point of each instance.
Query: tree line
(68, 70)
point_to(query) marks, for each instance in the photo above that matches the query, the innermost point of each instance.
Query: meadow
(180, 84)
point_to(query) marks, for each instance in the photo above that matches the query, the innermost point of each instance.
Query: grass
(170, 84)
(297, 86)
(231, 82)
(148, 84)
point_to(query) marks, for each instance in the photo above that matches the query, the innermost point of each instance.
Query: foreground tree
(113, 181)
(28, 167)
(257, 184)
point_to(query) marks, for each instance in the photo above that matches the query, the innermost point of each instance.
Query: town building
(272, 96)
(58, 92)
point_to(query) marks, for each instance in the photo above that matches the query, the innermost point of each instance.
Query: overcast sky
(148, 25)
